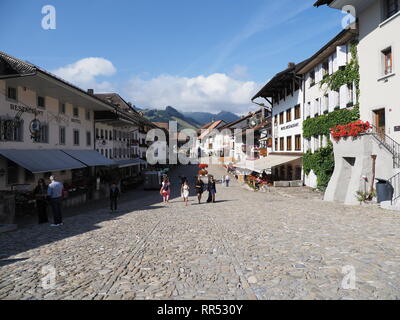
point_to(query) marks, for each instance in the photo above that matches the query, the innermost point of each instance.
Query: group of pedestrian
(49, 194)
(200, 187)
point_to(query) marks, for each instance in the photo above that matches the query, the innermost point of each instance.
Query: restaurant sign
(25, 109)
(290, 126)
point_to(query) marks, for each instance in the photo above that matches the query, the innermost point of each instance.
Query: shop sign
(25, 109)
(397, 129)
(290, 126)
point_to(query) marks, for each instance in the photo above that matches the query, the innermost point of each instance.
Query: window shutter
(343, 96)
(335, 63)
(330, 64)
(341, 53)
(331, 103)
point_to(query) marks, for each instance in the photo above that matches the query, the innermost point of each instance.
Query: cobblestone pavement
(282, 244)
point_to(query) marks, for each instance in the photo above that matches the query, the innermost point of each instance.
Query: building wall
(291, 128)
(321, 100)
(49, 115)
(378, 91)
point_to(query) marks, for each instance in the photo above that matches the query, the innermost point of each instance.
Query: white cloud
(83, 73)
(211, 93)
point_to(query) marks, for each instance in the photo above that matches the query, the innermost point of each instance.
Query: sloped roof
(276, 82)
(213, 126)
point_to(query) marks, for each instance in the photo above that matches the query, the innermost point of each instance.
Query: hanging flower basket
(203, 166)
(350, 130)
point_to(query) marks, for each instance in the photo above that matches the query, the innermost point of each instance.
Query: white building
(44, 121)
(320, 100)
(285, 94)
(378, 52)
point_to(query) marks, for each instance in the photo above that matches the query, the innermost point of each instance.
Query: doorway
(380, 122)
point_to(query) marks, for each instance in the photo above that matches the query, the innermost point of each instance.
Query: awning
(266, 163)
(91, 158)
(40, 161)
(130, 163)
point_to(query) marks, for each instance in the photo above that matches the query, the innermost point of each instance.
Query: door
(380, 122)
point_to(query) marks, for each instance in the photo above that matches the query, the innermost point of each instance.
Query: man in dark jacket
(114, 195)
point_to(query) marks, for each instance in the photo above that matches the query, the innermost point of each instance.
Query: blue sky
(195, 55)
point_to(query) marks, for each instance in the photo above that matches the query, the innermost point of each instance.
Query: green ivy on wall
(321, 125)
(322, 162)
(347, 75)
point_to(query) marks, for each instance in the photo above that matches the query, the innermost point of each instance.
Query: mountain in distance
(206, 117)
(171, 114)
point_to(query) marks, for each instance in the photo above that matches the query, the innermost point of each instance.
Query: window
(289, 143)
(76, 112)
(62, 108)
(391, 7)
(316, 107)
(62, 135)
(97, 133)
(102, 134)
(297, 142)
(312, 78)
(289, 115)
(106, 136)
(387, 61)
(282, 144)
(106, 153)
(297, 112)
(76, 137)
(88, 115)
(12, 172)
(110, 136)
(111, 153)
(281, 120)
(88, 138)
(11, 130)
(102, 152)
(350, 94)
(40, 102)
(12, 93)
(43, 136)
(325, 69)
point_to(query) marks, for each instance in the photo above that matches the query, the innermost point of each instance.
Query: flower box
(350, 130)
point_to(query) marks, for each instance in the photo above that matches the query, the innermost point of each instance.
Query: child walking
(185, 192)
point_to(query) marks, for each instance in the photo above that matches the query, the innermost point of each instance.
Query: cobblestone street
(282, 244)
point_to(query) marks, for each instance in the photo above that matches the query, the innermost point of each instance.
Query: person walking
(185, 192)
(199, 188)
(40, 194)
(227, 180)
(165, 190)
(55, 193)
(114, 195)
(212, 190)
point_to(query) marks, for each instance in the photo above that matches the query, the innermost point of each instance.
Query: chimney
(90, 91)
(291, 65)
(130, 104)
